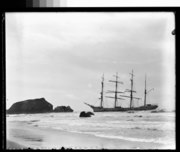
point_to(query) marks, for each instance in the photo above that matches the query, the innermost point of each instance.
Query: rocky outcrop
(63, 109)
(90, 113)
(86, 114)
(30, 106)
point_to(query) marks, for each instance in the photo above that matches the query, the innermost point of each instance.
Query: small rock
(86, 114)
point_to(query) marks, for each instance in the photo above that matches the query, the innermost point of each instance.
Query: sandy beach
(21, 135)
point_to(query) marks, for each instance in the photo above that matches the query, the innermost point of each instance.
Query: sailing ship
(116, 108)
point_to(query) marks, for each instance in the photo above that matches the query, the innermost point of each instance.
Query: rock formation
(30, 106)
(63, 109)
(90, 113)
(86, 114)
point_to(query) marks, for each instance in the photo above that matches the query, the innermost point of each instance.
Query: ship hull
(120, 109)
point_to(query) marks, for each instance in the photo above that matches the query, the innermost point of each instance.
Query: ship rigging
(116, 108)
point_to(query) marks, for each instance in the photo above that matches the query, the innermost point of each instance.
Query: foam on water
(143, 127)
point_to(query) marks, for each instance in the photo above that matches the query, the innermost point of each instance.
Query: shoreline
(22, 135)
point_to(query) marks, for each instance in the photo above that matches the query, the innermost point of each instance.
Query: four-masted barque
(118, 96)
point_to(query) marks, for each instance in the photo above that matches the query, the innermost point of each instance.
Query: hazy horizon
(62, 57)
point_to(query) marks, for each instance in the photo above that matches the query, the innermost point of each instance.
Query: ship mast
(116, 90)
(102, 91)
(131, 91)
(146, 92)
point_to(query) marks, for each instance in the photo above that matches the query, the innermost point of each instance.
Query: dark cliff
(31, 106)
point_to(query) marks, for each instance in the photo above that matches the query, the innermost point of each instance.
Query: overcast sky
(62, 56)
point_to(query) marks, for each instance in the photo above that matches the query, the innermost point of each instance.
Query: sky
(62, 57)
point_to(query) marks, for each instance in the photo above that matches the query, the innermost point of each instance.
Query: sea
(142, 126)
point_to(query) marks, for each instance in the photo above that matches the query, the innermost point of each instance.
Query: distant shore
(24, 136)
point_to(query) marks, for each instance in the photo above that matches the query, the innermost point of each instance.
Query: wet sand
(21, 135)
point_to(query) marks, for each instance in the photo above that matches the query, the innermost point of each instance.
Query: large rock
(86, 114)
(31, 106)
(63, 109)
